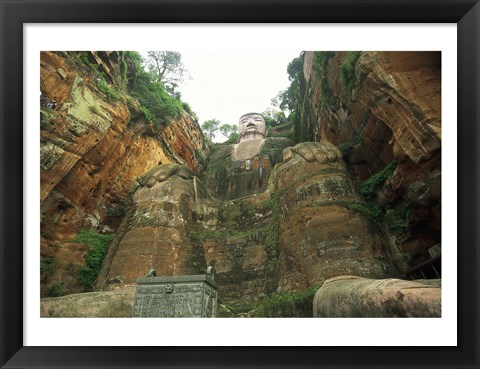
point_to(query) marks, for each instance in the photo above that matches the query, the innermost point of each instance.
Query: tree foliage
(98, 246)
(210, 127)
(274, 118)
(227, 130)
(166, 67)
(320, 64)
(157, 105)
(213, 126)
(232, 138)
(287, 99)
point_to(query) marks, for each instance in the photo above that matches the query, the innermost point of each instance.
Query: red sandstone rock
(352, 296)
(90, 152)
(392, 113)
(155, 234)
(283, 228)
(321, 234)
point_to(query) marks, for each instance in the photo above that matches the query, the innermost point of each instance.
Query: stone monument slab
(176, 297)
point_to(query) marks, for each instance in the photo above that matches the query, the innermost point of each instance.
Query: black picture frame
(14, 13)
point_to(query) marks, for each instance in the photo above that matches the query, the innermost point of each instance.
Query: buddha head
(251, 126)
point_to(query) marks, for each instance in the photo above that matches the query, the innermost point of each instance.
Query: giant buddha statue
(251, 126)
(244, 168)
(269, 215)
(251, 136)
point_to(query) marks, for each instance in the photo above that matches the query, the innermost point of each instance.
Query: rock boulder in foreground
(352, 296)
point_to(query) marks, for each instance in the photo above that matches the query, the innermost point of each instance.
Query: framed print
(254, 223)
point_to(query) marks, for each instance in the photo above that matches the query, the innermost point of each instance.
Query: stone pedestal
(175, 297)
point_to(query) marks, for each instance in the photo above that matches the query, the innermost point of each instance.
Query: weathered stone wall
(390, 111)
(175, 228)
(269, 216)
(306, 226)
(243, 169)
(323, 230)
(155, 233)
(353, 297)
(93, 148)
(240, 246)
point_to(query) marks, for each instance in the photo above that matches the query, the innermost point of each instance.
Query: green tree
(287, 99)
(157, 105)
(274, 117)
(227, 129)
(167, 68)
(210, 127)
(232, 138)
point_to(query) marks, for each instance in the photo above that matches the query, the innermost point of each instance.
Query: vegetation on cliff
(289, 99)
(157, 105)
(246, 236)
(167, 68)
(98, 245)
(369, 187)
(278, 304)
(320, 65)
(396, 218)
(347, 71)
(159, 102)
(272, 233)
(356, 100)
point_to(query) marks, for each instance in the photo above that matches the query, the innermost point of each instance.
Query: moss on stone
(398, 219)
(371, 210)
(48, 266)
(241, 214)
(200, 235)
(56, 289)
(195, 260)
(118, 209)
(272, 233)
(278, 304)
(98, 245)
(47, 117)
(320, 65)
(347, 71)
(369, 187)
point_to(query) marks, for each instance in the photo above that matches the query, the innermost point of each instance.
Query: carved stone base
(175, 297)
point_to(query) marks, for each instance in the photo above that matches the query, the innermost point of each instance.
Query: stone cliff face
(272, 217)
(300, 230)
(93, 147)
(155, 233)
(233, 172)
(382, 107)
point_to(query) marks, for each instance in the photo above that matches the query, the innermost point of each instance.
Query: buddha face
(251, 126)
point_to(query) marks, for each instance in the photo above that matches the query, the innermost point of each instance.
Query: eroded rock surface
(303, 228)
(244, 169)
(390, 110)
(93, 147)
(271, 216)
(154, 235)
(104, 304)
(322, 233)
(353, 296)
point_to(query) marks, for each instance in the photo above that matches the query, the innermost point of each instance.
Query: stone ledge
(177, 279)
